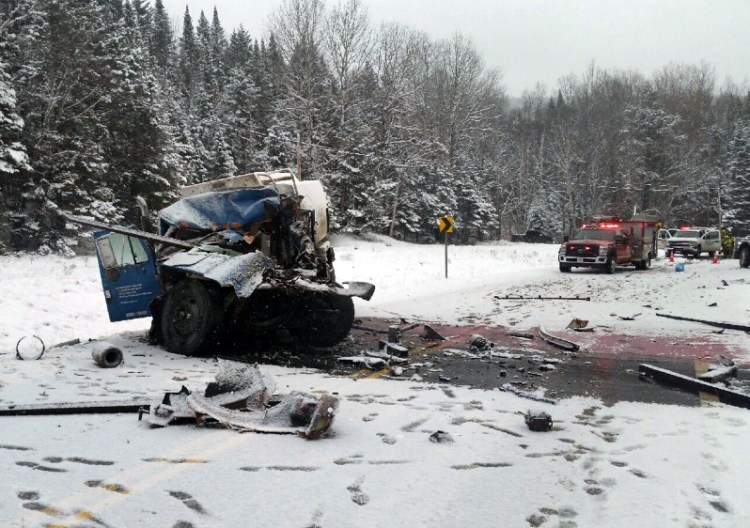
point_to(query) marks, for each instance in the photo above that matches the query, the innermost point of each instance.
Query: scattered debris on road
(441, 437)
(479, 343)
(539, 421)
(431, 334)
(577, 324)
(390, 355)
(507, 387)
(243, 399)
(366, 361)
(358, 326)
(30, 348)
(539, 298)
(106, 355)
(522, 335)
(687, 383)
(392, 348)
(721, 369)
(62, 408)
(70, 342)
(558, 341)
(719, 324)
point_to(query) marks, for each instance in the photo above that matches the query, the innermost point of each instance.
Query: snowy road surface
(623, 465)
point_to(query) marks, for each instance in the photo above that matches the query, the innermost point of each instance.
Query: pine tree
(205, 55)
(189, 74)
(138, 136)
(13, 156)
(218, 45)
(738, 199)
(162, 46)
(242, 132)
(239, 53)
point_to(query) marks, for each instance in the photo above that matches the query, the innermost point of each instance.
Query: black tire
(611, 264)
(564, 268)
(745, 257)
(711, 254)
(190, 318)
(329, 318)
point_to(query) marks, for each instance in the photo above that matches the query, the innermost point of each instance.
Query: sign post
(445, 223)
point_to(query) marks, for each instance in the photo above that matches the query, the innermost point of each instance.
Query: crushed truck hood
(244, 273)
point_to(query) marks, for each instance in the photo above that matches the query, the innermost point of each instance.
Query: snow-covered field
(620, 466)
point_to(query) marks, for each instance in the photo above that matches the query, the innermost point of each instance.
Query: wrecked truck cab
(252, 257)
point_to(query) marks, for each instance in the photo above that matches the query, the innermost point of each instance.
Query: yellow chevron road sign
(445, 223)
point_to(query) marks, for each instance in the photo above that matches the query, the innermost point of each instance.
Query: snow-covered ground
(620, 466)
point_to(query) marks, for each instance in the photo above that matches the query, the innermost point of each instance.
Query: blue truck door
(127, 266)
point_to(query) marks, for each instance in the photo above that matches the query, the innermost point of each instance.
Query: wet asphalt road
(605, 367)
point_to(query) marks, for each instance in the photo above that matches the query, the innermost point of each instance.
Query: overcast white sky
(535, 41)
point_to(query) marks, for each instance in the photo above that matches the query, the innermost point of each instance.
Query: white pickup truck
(694, 241)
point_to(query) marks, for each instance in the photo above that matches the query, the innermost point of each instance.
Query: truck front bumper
(684, 250)
(582, 261)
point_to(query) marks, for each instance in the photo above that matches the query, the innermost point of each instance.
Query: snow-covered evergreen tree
(189, 72)
(160, 38)
(242, 133)
(738, 199)
(13, 156)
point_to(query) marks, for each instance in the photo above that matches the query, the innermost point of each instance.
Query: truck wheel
(611, 264)
(190, 318)
(711, 254)
(329, 319)
(745, 257)
(698, 252)
(644, 264)
(564, 268)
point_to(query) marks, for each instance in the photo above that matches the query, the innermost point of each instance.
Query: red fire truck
(608, 242)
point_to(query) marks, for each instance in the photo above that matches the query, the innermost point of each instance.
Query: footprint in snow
(78, 460)
(176, 460)
(43, 508)
(714, 499)
(15, 448)
(409, 428)
(117, 488)
(39, 467)
(28, 495)
(188, 501)
(354, 459)
(292, 468)
(386, 439)
(315, 522)
(566, 516)
(358, 497)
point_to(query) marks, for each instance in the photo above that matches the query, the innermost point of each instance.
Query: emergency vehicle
(608, 242)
